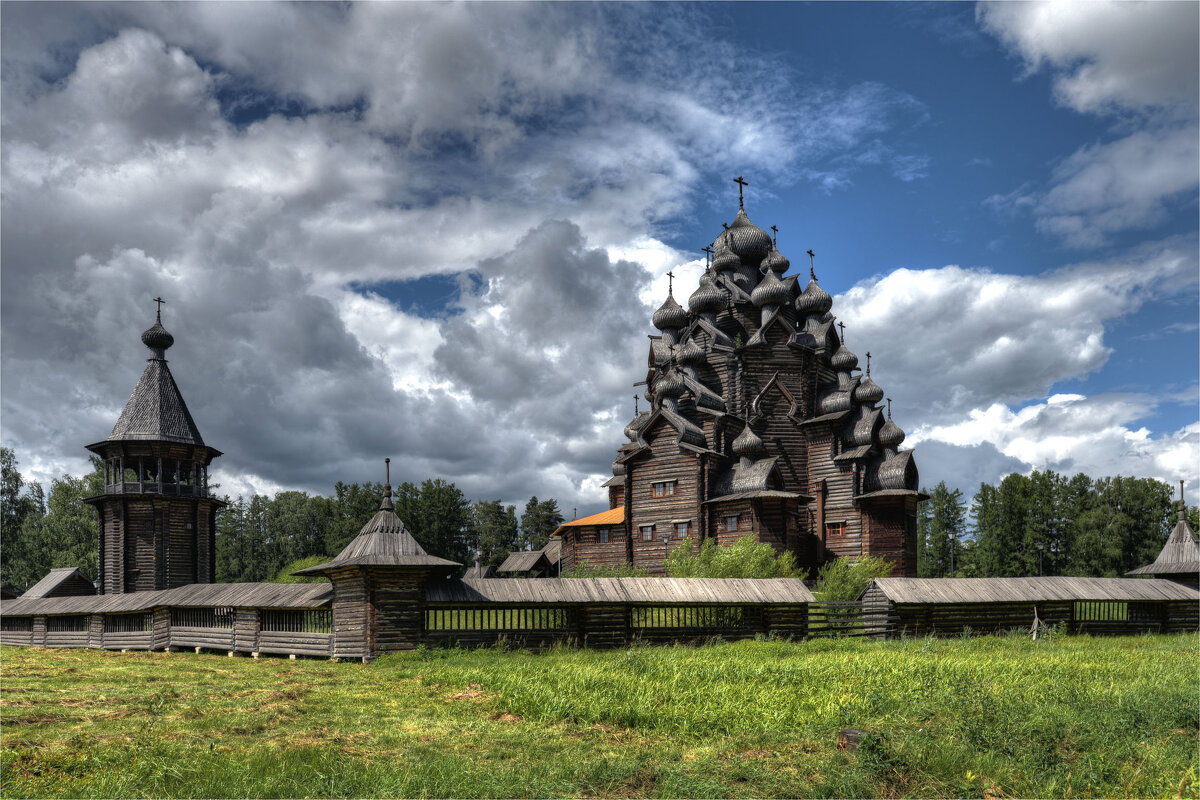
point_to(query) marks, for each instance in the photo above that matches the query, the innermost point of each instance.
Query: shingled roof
(382, 542)
(156, 410)
(1179, 556)
(61, 582)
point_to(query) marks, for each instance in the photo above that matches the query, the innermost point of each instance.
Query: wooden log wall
(886, 526)
(398, 597)
(141, 553)
(161, 638)
(952, 619)
(666, 462)
(718, 513)
(247, 623)
(351, 615)
(779, 431)
(300, 644)
(1181, 617)
(96, 631)
(131, 640)
(585, 546)
(604, 626)
(208, 638)
(786, 621)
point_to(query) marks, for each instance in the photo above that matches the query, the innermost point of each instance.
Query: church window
(835, 528)
(647, 533)
(682, 529)
(731, 522)
(603, 534)
(664, 489)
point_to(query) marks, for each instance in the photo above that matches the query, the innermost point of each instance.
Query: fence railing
(833, 620)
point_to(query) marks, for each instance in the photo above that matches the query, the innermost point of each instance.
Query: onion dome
(157, 338)
(708, 298)
(890, 435)
(748, 241)
(631, 432)
(843, 360)
(776, 262)
(724, 258)
(815, 301)
(670, 315)
(868, 392)
(770, 291)
(748, 445)
(690, 353)
(668, 384)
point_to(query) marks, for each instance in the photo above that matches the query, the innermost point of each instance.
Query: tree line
(1045, 523)
(258, 537)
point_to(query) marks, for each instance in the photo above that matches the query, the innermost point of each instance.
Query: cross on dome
(741, 184)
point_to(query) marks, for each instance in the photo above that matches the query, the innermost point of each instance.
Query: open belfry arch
(157, 522)
(760, 423)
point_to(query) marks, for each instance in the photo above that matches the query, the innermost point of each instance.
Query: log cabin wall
(718, 527)
(886, 532)
(398, 598)
(586, 547)
(664, 463)
(351, 615)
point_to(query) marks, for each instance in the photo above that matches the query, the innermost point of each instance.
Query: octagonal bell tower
(157, 522)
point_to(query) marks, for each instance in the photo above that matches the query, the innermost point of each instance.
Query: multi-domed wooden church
(760, 423)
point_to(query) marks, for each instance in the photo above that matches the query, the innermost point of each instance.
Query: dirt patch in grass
(474, 692)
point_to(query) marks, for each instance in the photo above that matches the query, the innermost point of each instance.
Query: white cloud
(990, 337)
(1106, 55)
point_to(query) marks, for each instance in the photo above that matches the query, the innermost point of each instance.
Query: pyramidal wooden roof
(1180, 555)
(382, 542)
(156, 410)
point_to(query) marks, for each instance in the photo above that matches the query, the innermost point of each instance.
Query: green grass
(983, 717)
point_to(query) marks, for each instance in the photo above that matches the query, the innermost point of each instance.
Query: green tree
(22, 507)
(941, 523)
(745, 558)
(541, 518)
(1126, 527)
(497, 528)
(445, 525)
(843, 580)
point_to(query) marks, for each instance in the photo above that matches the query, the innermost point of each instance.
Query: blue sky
(437, 232)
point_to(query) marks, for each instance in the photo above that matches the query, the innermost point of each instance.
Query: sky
(437, 232)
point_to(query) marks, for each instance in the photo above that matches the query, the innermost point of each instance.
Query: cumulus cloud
(986, 336)
(1106, 55)
(1137, 61)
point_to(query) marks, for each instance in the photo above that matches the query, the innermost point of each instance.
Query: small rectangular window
(835, 528)
(664, 489)
(603, 535)
(647, 533)
(731, 522)
(682, 529)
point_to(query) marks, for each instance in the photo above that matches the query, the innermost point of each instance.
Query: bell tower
(157, 522)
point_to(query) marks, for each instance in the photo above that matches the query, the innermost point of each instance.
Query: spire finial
(1182, 502)
(670, 283)
(635, 406)
(889, 408)
(842, 331)
(725, 225)
(774, 235)
(868, 363)
(811, 273)
(708, 257)
(158, 309)
(387, 477)
(741, 183)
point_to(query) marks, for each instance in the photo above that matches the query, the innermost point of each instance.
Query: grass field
(983, 717)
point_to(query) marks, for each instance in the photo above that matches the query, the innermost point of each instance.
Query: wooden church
(760, 423)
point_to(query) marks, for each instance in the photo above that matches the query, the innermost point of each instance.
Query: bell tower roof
(156, 411)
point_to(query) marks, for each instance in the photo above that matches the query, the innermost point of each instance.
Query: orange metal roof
(614, 516)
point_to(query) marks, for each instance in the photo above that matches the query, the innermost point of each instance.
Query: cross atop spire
(842, 331)
(774, 236)
(635, 406)
(158, 308)
(670, 283)
(708, 258)
(889, 408)
(741, 184)
(868, 363)
(1182, 502)
(811, 273)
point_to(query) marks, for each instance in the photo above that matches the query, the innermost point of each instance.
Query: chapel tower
(157, 522)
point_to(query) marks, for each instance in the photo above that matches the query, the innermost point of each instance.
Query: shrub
(745, 558)
(285, 574)
(843, 580)
(586, 570)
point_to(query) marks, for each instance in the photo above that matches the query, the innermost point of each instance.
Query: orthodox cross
(811, 273)
(158, 307)
(774, 235)
(635, 405)
(868, 363)
(741, 183)
(708, 257)
(842, 331)
(889, 408)
(670, 282)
